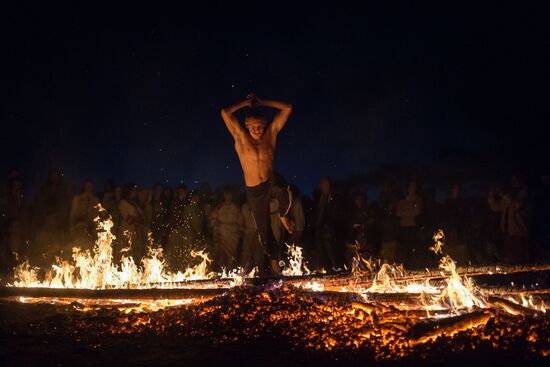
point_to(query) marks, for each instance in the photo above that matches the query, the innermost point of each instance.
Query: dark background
(134, 93)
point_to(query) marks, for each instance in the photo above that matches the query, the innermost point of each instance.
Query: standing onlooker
(297, 216)
(326, 225)
(160, 216)
(228, 224)
(50, 218)
(174, 248)
(541, 220)
(454, 226)
(108, 194)
(193, 226)
(207, 208)
(428, 223)
(408, 209)
(356, 227)
(110, 203)
(5, 193)
(514, 209)
(14, 230)
(131, 234)
(144, 202)
(389, 222)
(84, 210)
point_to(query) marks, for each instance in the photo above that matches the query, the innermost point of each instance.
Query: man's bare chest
(254, 150)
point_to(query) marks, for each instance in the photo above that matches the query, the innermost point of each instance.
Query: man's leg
(258, 200)
(251, 246)
(329, 240)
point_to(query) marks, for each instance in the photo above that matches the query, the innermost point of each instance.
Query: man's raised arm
(231, 121)
(281, 118)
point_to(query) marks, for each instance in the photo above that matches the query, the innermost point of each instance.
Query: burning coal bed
(276, 320)
(93, 312)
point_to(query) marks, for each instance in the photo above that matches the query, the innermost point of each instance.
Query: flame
(237, 276)
(528, 302)
(456, 294)
(96, 269)
(297, 265)
(123, 305)
(314, 286)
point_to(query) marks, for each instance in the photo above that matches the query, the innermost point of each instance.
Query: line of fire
(375, 311)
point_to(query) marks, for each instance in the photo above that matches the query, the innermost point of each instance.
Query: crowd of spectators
(509, 224)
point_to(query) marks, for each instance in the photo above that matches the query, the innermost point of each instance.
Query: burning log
(376, 301)
(151, 293)
(344, 280)
(511, 307)
(513, 290)
(425, 332)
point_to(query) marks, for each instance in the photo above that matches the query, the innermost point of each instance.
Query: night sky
(134, 93)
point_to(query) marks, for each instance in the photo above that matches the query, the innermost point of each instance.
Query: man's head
(359, 200)
(194, 198)
(517, 180)
(455, 191)
(109, 185)
(16, 186)
(325, 185)
(54, 177)
(143, 195)
(130, 191)
(227, 197)
(182, 192)
(168, 193)
(255, 122)
(412, 187)
(118, 193)
(88, 187)
(158, 189)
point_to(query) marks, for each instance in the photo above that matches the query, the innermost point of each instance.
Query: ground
(257, 327)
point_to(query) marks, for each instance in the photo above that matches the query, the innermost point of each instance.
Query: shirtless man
(255, 147)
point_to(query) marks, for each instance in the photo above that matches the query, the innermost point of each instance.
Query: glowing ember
(378, 309)
(309, 322)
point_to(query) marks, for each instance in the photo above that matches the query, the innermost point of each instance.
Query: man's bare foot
(275, 268)
(289, 225)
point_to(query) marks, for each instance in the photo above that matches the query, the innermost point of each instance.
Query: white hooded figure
(228, 227)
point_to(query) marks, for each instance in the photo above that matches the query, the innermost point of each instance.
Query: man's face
(133, 193)
(55, 178)
(455, 191)
(143, 195)
(256, 127)
(227, 196)
(412, 188)
(324, 186)
(88, 187)
(158, 192)
(182, 194)
(17, 187)
(516, 181)
(118, 193)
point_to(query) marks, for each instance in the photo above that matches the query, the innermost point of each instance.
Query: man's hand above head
(231, 121)
(284, 110)
(253, 99)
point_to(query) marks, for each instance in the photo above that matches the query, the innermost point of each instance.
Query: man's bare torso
(256, 157)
